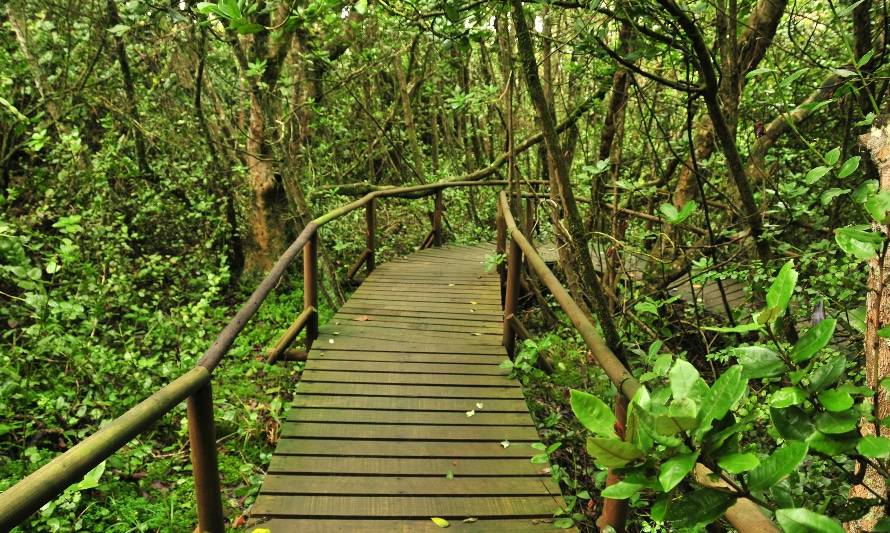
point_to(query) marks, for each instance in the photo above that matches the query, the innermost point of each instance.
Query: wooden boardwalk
(403, 413)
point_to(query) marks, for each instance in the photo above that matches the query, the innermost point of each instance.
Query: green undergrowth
(148, 486)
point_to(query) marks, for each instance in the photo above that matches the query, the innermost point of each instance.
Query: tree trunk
(877, 349)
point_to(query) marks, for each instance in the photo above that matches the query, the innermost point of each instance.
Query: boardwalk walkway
(403, 413)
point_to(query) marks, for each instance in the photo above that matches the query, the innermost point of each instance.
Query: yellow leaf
(262, 530)
(441, 522)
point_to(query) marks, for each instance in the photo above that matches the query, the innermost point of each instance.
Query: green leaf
(788, 80)
(593, 414)
(725, 392)
(874, 446)
(686, 211)
(118, 29)
(451, 13)
(884, 332)
(828, 373)
(837, 423)
(699, 507)
(866, 57)
(777, 466)
(736, 463)
(675, 469)
(865, 190)
(787, 396)
(792, 423)
(858, 243)
(682, 378)
(877, 206)
(826, 197)
(669, 211)
(759, 362)
(813, 340)
(621, 490)
(441, 522)
(849, 167)
(612, 453)
(802, 520)
(563, 523)
(833, 445)
(782, 288)
(815, 174)
(757, 72)
(229, 9)
(832, 156)
(835, 400)
(740, 328)
(91, 479)
(205, 8)
(361, 7)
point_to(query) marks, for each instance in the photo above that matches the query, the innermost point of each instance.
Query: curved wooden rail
(31, 493)
(746, 516)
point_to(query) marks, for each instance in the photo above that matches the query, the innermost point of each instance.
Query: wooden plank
(382, 331)
(379, 416)
(454, 380)
(408, 404)
(493, 434)
(467, 340)
(482, 298)
(414, 314)
(379, 345)
(368, 525)
(457, 307)
(412, 486)
(413, 391)
(419, 449)
(404, 466)
(410, 368)
(405, 507)
(430, 322)
(396, 357)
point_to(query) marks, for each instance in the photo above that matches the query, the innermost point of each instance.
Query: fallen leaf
(240, 521)
(441, 522)
(474, 303)
(505, 443)
(470, 413)
(363, 318)
(336, 333)
(475, 334)
(450, 474)
(451, 284)
(470, 520)
(330, 341)
(479, 405)
(262, 530)
(472, 310)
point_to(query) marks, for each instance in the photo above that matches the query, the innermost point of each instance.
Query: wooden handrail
(745, 515)
(31, 493)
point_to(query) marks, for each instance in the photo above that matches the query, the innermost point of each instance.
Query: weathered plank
(415, 391)
(409, 486)
(366, 525)
(382, 416)
(408, 432)
(408, 404)
(408, 448)
(404, 367)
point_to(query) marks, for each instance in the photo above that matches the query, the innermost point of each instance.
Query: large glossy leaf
(675, 469)
(836, 423)
(779, 293)
(833, 445)
(699, 507)
(682, 378)
(759, 362)
(813, 340)
(828, 373)
(792, 423)
(786, 397)
(874, 446)
(736, 463)
(593, 413)
(801, 520)
(778, 465)
(725, 392)
(859, 243)
(621, 490)
(835, 400)
(612, 453)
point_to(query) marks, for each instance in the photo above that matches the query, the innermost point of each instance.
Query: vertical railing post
(310, 286)
(437, 219)
(202, 439)
(615, 511)
(501, 247)
(370, 238)
(511, 298)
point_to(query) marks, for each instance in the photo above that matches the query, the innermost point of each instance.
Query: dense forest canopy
(157, 158)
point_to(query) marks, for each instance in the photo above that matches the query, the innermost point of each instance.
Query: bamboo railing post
(514, 271)
(370, 238)
(310, 286)
(437, 219)
(205, 468)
